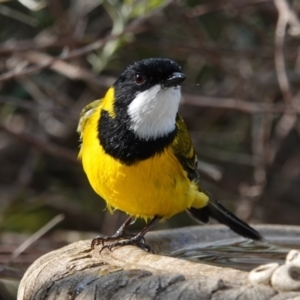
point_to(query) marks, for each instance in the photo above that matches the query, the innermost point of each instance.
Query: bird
(138, 155)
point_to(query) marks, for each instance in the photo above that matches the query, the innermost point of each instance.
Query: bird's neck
(152, 113)
(119, 140)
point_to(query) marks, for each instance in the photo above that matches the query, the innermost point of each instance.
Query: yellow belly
(157, 186)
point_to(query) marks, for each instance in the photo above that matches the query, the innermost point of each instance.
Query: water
(240, 253)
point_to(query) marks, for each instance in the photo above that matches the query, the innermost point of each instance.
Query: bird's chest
(155, 186)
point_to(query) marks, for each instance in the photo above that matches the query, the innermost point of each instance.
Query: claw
(135, 241)
(96, 241)
(120, 238)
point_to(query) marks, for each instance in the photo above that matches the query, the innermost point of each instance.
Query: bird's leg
(120, 233)
(137, 240)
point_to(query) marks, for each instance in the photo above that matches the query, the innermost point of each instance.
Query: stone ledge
(77, 272)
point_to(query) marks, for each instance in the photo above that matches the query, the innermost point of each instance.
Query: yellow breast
(157, 186)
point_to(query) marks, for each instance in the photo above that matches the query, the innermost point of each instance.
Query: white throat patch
(153, 112)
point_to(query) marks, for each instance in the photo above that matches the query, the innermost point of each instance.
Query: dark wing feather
(185, 153)
(184, 150)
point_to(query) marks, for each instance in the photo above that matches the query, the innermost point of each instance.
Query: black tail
(216, 210)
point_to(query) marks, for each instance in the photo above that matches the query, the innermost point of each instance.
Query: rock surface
(77, 272)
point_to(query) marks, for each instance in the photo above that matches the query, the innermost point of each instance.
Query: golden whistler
(138, 156)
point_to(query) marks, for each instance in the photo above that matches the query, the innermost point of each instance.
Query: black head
(146, 101)
(146, 73)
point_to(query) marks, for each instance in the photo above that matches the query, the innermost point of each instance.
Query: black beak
(175, 79)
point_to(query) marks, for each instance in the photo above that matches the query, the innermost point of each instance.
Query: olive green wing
(86, 112)
(185, 153)
(184, 150)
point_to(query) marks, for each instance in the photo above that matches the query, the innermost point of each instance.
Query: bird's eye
(139, 78)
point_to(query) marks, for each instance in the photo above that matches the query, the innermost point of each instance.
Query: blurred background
(241, 102)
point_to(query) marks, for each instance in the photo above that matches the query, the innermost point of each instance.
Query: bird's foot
(120, 241)
(120, 238)
(117, 236)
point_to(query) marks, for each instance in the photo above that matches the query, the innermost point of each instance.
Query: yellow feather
(158, 186)
(108, 102)
(154, 183)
